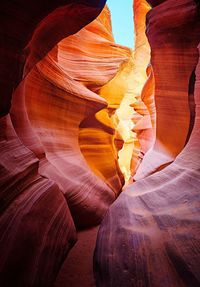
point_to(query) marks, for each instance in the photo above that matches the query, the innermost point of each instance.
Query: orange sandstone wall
(132, 117)
(173, 57)
(61, 100)
(40, 158)
(151, 234)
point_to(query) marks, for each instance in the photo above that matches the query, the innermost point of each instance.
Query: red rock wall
(37, 229)
(132, 119)
(59, 95)
(151, 234)
(173, 57)
(25, 35)
(51, 177)
(144, 106)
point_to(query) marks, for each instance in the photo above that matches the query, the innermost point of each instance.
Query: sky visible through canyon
(122, 21)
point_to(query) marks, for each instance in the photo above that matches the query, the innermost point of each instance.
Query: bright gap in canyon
(99, 143)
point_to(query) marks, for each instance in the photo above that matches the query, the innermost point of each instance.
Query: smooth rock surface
(29, 32)
(151, 234)
(36, 227)
(37, 230)
(56, 105)
(77, 270)
(173, 57)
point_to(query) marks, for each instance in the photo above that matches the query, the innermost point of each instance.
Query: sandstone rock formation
(40, 155)
(173, 57)
(58, 98)
(72, 101)
(143, 87)
(23, 40)
(36, 226)
(130, 114)
(132, 117)
(151, 234)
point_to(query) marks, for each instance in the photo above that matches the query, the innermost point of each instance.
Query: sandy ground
(77, 270)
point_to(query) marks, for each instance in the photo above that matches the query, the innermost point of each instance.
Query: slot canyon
(99, 145)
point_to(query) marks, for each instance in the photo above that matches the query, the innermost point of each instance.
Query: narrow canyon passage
(99, 143)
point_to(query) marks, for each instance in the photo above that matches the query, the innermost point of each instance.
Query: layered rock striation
(54, 87)
(151, 234)
(173, 57)
(72, 102)
(132, 118)
(59, 104)
(37, 230)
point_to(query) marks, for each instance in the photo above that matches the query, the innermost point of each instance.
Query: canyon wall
(51, 179)
(61, 100)
(151, 234)
(132, 118)
(72, 102)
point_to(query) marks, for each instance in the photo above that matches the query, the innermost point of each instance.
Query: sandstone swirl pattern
(151, 234)
(42, 169)
(60, 95)
(173, 56)
(36, 227)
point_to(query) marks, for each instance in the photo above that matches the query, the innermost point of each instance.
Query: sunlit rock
(151, 234)
(173, 58)
(30, 31)
(61, 100)
(88, 114)
(37, 230)
(124, 92)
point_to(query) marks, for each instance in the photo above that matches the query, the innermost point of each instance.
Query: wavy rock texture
(36, 227)
(114, 92)
(145, 122)
(29, 41)
(143, 87)
(173, 57)
(97, 133)
(58, 98)
(151, 234)
(132, 118)
(37, 230)
(147, 97)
